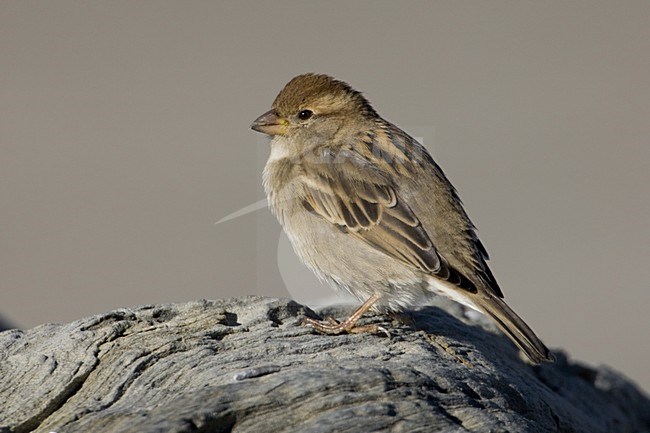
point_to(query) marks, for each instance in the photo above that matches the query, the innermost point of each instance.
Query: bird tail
(515, 328)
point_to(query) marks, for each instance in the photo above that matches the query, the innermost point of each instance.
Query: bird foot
(331, 326)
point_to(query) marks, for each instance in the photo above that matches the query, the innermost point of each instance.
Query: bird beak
(270, 123)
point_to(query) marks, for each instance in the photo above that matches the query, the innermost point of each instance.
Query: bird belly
(347, 262)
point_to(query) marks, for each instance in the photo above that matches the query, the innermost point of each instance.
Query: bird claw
(331, 326)
(332, 321)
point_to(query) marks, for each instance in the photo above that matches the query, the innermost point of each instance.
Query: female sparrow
(367, 209)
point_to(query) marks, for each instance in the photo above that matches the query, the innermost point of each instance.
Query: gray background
(125, 136)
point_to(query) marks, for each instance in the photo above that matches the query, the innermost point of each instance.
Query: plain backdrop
(124, 137)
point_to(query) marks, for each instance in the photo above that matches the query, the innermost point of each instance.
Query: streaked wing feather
(361, 202)
(387, 231)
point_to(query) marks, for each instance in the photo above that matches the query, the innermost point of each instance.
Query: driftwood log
(246, 365)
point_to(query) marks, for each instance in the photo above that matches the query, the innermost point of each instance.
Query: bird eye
(305, 114)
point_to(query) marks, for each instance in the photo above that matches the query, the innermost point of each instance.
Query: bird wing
(350, 192)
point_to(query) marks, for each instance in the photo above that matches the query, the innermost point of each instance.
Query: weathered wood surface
(244, 365)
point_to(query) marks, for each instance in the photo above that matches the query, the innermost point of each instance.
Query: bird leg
(332, 327)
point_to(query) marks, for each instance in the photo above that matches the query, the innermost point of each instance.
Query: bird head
(313, 106)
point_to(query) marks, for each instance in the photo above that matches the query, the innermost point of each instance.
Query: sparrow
(368, 210)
